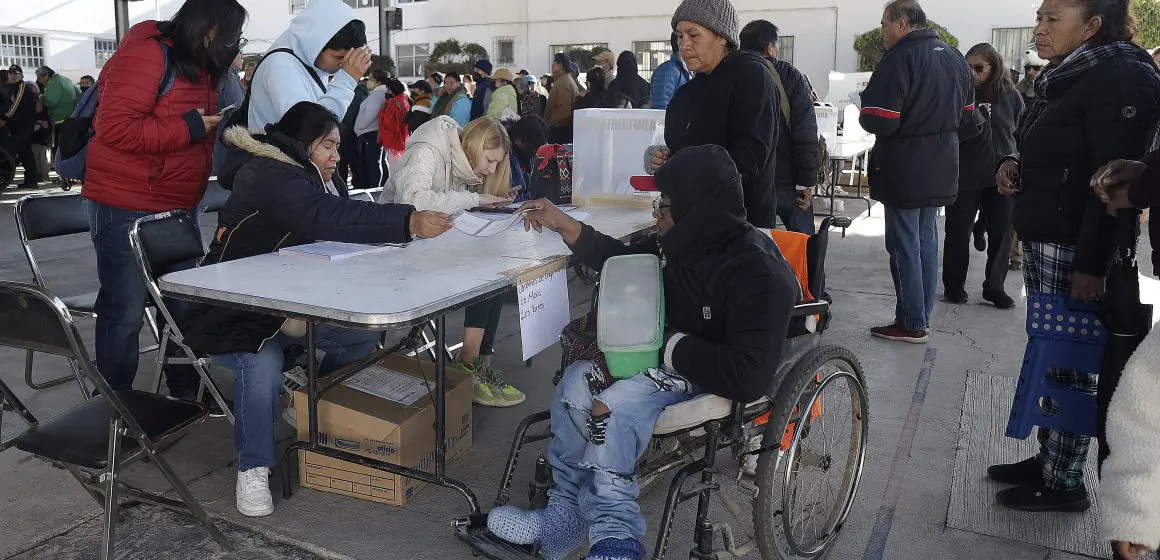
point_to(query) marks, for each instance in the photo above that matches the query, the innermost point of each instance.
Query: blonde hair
(486, 133)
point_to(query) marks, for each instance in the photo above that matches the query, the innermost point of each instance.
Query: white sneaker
(253, 492)
(749, 467)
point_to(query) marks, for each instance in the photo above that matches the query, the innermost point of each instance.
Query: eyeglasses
(980, 68)
(1029, 68)
(657, 206)
(240, 43)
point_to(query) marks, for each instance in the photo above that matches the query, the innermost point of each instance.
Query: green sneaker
(481, 390)
(510, 396)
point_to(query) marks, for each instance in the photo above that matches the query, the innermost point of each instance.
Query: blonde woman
(449, 169)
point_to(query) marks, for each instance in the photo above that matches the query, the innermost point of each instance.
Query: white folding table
(399, 288)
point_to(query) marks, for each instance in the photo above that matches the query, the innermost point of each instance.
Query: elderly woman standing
(1097, 101)
(732, 102)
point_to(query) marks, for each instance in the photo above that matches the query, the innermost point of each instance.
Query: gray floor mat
(982, 443)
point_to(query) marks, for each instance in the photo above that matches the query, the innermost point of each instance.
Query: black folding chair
(161, 243)
(46, 216)
(101, 436)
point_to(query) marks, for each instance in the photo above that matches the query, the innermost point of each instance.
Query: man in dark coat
(18, 126)
(728, 298)
(629, 83)
(797, 145)
(916, 101)
(484, 87)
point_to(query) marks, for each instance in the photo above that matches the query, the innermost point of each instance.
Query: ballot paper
(334, 250)
(485, 225)
(389, 384)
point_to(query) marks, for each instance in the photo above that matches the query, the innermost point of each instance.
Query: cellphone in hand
(226, 109)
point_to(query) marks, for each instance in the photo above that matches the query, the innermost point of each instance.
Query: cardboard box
(395, 424)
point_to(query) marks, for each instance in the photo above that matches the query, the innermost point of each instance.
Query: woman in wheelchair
(728, 295)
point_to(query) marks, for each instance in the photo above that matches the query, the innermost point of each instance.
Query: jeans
(912, 242)
(594, 458)
(485, 315)
(121, 302)
(258, 380)
(997, 210)
(792, 217)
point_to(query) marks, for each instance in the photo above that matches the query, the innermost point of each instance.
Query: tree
(451, 56)
(585, 58)
(383, 62)
(1147, 14)
(871, 48)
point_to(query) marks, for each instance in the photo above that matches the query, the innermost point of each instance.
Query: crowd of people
(1028, 168)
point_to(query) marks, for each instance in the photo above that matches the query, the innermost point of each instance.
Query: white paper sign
(544, 311)
(388, 384)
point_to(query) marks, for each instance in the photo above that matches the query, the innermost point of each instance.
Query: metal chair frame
(38, 279)
(104, 486)
(171, 332)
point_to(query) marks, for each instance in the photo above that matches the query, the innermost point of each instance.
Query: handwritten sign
(544, 311)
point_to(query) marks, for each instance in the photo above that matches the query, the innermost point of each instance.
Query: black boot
(958, 296)
(999, 299)
(1041, 498)
(1024, 473)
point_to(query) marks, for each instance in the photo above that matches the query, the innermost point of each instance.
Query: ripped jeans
(594, 458)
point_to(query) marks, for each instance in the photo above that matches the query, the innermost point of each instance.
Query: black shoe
(1041, 498)
(215, 410)
(978, 233)
(955, 296)
(1024, 473)
(999, 299)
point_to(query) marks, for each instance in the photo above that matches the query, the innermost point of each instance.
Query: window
(297, 6)
(505, 50)
(1011, 44)
(584, 55)
(356, 4)
(785, 48)
(411, 59)
(650, 54)
(27, 51)
(103, 49)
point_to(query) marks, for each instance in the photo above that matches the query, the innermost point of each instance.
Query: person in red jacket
(152, 153)
(393, 129)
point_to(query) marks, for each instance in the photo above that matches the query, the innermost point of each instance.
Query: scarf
(1079, 62)
(444, 104)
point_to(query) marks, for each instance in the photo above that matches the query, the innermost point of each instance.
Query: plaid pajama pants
(1047, 268)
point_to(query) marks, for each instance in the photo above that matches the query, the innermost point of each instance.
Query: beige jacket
(561, 100)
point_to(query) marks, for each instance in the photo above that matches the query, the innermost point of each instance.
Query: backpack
(393, 130)
(241, 116)
(77, 130)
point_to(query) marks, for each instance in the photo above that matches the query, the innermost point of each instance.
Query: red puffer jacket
(150, 154)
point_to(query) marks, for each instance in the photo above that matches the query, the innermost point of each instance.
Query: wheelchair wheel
(7, 169)
(806, 485)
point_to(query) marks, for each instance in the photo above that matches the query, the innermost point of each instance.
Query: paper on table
(481, 225)
(389, 384)
(334, 250)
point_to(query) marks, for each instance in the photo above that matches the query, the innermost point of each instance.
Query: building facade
(76, 36)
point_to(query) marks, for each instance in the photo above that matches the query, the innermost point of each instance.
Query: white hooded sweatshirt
(434, 172)
(280, 81)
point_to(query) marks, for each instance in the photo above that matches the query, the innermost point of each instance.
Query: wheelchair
(813, 429)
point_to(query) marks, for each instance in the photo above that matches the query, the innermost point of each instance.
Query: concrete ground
(901, 511)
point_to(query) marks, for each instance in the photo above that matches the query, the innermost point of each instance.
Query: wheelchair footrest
(473, 532)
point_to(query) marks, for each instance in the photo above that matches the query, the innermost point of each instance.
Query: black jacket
(736, 107)
(918, 97)
(1108, 112)
(19, 110)
(629, 82)
(482, 98)
(979, 155)
(797, 149)
(278, 200)
(727, 287)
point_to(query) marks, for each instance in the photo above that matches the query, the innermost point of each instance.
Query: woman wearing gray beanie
(731, 102)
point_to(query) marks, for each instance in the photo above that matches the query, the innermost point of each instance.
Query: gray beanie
(718, 16)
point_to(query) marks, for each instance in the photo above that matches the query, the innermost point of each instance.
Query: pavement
(916, 401)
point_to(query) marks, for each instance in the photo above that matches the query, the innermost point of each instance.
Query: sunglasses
(980, 68)
(240, 43)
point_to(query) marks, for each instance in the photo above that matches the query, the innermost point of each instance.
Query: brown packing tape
(537, 269)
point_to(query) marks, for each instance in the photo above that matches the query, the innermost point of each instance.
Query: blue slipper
(559, 529)
(616, 549)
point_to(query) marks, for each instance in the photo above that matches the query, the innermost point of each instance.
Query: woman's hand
(1131, 551)
(1121, 172)
(543, 214)
(656, 157)
(1085, 287)
(1008, 178)
(489, 200)
(209, 122)
(426, 224)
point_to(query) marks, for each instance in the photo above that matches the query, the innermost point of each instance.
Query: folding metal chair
(101, 436)
(162, 242)
(46, 216)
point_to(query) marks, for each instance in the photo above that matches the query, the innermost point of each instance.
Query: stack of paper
(334, 250)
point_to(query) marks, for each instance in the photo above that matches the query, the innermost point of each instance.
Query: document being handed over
(485, 225)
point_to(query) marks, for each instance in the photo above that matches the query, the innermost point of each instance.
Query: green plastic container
(630, 316)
